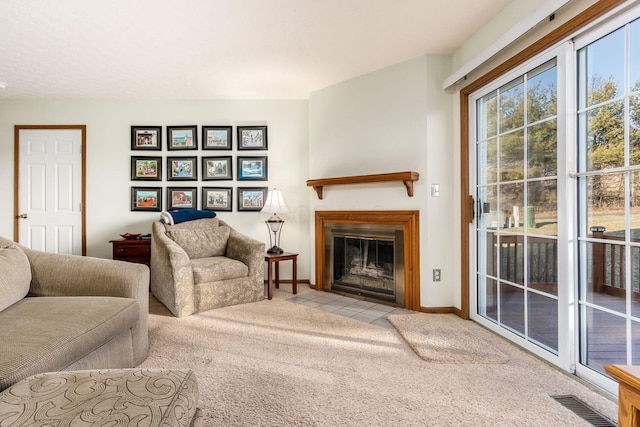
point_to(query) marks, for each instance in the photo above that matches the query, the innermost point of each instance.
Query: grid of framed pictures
(193, 168)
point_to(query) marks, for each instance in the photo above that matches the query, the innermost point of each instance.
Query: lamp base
(274, 250)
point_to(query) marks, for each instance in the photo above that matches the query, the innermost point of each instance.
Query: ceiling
(217, 49)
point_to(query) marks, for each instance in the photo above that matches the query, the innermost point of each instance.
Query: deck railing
(607, 262)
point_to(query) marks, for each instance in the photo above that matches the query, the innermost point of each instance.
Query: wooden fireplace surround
(410, 222)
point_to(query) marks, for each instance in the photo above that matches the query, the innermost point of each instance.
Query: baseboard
(303, 281)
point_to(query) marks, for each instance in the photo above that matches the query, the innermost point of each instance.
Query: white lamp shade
(274, 203)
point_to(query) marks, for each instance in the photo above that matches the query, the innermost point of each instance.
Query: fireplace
(372, 255)
(366, 260)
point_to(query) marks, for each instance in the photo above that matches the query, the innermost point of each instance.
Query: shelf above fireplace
(406, 177)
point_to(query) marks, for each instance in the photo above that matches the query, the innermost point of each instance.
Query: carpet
(446, 338)
(278, 363)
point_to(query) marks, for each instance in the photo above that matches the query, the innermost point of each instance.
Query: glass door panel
(609, 198)
(516, 191)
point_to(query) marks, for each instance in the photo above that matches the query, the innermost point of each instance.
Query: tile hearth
(364, 311)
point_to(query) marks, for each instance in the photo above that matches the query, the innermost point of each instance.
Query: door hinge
(472, 203)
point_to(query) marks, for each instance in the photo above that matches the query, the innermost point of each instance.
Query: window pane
(512, 156)
(512, 105)
(543, 320)
(487, 259)
(542, 143)
(542, 92)
(635, 281)
(487, 121)
(488, 298)
(542, 265)
(605, 340)
(512, 258)
(602, 63)
(512, 307)
(487, 161)
(542, 211)
(605, 136)
(605, 203)
(634, 202)
(634, 52)
(511, 195)
(605, 276)
(634, 130)
(635, 342)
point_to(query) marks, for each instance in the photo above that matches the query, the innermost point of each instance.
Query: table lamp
(274, 203)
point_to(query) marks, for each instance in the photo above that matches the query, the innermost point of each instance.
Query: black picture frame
(217, 199)
(147, 199)
(146, 168)
(217, 168)
(182, 137)
(146, 138)
(252, 138)
(252, 168)
(217, 137)
(182, 198)
(251, 199)
(182, 168)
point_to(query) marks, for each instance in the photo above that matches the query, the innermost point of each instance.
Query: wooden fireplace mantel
(406, 177)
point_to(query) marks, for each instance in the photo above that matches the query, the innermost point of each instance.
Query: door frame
(16, 177)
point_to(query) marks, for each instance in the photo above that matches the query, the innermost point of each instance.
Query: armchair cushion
(201, 242)
(16, 277)
(217, 268)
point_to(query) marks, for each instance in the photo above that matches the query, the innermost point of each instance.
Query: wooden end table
(132, 250)
(275, 259)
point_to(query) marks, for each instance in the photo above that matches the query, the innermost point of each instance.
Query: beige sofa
(64, 312)
(204, 264)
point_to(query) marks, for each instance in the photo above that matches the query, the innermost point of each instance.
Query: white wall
(108, 161)
(396, 119)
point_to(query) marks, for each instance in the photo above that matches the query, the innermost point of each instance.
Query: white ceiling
(217, 49)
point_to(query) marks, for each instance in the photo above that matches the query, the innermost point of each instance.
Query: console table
(275, 259)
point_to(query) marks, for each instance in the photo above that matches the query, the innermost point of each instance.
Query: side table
(132, 250)
(275, 259)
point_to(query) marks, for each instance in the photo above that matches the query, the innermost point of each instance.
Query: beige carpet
(276, 363)
(446, 338)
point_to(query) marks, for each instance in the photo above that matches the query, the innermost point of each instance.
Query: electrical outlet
(436, 274)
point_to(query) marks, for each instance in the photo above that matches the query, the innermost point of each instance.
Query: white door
(50, 188)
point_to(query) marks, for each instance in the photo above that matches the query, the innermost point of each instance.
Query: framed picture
(216, 137)
(182, 198)
(182, 168)
(252, 168)
(146, 138)
(217, 168)
(182, 137)
(251, 198)
(252, 137)
(146, 168)
(217, 198)
(146, 199)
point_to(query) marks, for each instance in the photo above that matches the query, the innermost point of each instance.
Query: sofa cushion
(15, 275)
(50, 333)
(217, 268)
(201, 242)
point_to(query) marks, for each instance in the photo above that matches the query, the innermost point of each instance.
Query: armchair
(204, 264)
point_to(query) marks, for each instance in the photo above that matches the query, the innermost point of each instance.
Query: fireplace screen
(365, 260)
(364, 263)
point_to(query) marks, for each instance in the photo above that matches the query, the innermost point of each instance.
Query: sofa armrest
(247, 250)
(60, 275)
(171, 273)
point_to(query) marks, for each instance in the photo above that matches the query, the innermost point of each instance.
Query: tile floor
(365, 311)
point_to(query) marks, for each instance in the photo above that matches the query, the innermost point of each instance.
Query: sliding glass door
(556, 176)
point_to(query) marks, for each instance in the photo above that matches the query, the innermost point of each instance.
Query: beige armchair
(204, 264)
